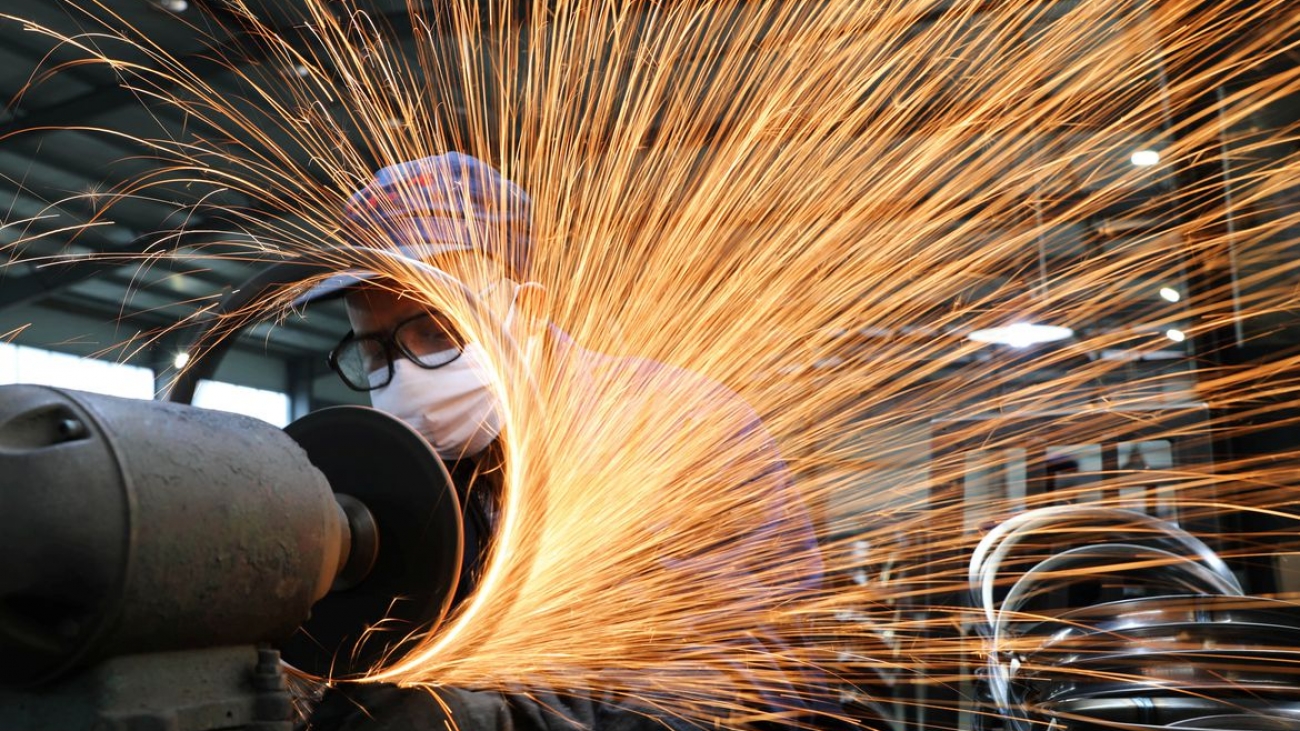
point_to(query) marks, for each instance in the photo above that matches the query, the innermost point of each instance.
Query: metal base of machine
(218, 689)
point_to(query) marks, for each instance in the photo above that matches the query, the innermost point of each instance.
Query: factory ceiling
(73, 140)
(66, 251)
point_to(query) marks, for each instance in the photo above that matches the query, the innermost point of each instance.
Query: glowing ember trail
(813, 204)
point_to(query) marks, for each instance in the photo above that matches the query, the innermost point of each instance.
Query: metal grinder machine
(157, 560)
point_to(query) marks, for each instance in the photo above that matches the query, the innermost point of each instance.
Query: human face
(374, 310)
(387, 326)
(366, 362)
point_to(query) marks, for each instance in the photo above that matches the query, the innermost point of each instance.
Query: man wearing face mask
(460, 215)
(416, 368)
(450, 211)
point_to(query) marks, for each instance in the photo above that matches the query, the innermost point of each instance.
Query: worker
(462, 217)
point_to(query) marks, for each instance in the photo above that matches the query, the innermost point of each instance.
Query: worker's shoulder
(639, 381)
(688, 391)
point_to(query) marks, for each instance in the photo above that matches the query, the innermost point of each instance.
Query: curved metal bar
(215, 335)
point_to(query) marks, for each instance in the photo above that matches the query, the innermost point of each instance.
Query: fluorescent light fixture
(1145, 158)
(1175, 335)
(181, 360)
(1170, 294)
(1021, 334)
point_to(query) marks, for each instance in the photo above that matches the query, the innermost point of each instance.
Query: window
(21, 364)
(271, 406)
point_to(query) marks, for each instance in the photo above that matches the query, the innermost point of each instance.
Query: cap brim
(336, 284)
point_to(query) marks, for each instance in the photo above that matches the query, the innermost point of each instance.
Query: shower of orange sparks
(744, 190)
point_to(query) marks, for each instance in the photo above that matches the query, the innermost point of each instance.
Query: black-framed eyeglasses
(365, 362)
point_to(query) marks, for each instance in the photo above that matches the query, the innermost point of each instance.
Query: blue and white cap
(436, 205)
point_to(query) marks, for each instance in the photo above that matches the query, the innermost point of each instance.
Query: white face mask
(452, 406)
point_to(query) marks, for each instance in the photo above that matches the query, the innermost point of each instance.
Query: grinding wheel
(391, 469)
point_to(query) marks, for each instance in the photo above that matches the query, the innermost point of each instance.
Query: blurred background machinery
(1184, 649)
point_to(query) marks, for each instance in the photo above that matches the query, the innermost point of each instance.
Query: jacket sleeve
(383, 707)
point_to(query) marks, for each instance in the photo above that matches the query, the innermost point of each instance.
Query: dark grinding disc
(391, 469)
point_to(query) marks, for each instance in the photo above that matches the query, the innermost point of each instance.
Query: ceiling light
(1021, 334)
(1170, 294)
(1177, 336)
(171, 6)
(181, 360)
(1145, 158)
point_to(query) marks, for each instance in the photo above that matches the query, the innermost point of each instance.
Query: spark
(812, 204)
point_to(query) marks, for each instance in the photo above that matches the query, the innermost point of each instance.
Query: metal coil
(1204, 657)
